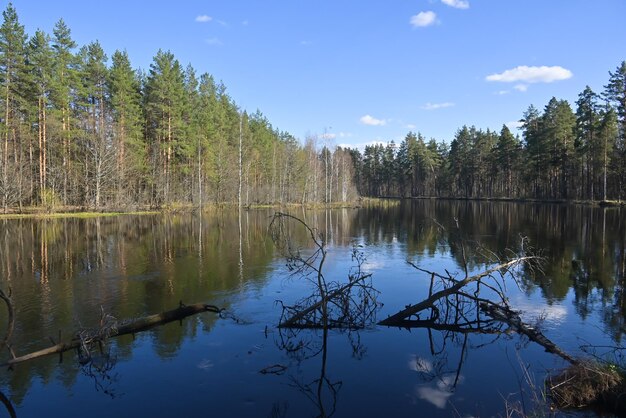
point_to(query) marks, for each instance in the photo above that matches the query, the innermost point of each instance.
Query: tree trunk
(132, 327)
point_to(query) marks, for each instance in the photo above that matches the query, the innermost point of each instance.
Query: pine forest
(80, 129)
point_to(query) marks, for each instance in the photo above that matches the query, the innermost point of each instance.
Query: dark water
(63, 273)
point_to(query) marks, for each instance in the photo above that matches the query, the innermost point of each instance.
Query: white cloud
(245, 23)
(361, 147)
(372, 121)
(203, 18)
(345, 134)
(521, 87)
(526, 74)
(306, 43)
(214, 41)
(411, 126)
(435, 106)
(436, 396)
(328, 135)
(501, 92)
(551, 315)
(439, 393)
(514, 124)
(458, 4)
(423, 19)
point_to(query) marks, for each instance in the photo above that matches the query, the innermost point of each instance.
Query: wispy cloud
(245, 23)
(423, 19)
(203, 18)
(435, 106)
(501, 92)
(514, 124)
(370, 264)
(411, 126)
(214, 41)
(521, 87)
(372, 121)
(526, 74)
(328, 135)
(306, 43)
(458, 4)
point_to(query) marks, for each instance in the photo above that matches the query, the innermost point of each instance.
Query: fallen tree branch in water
(332, 304)
(116, 330)
(399, 318)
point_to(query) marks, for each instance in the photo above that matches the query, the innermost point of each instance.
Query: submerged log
(131, 327)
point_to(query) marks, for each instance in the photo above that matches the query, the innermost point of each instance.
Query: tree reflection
(348, 306)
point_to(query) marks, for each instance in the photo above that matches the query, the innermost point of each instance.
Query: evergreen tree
(165, 88)
(615, 92)
(124, 88)
(63, 87)
(12, 79)
(506, 152)
(39, 66)
(586, 144)
(97, 149)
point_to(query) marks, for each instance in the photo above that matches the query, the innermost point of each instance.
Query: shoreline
(41, 213)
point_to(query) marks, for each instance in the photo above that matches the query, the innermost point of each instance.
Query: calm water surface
(65, 272)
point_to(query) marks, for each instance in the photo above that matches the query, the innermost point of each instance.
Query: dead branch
(399, 318)
(350, 305)
(131, 327)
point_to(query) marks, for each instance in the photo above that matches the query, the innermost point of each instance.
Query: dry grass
(588, 384)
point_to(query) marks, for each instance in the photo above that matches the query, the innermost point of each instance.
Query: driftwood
(132, 327)
(401, 317)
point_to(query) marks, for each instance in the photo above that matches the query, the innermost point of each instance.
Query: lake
(64, 273)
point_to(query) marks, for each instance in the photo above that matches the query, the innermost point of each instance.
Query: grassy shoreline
(602, 203)
(41, 213)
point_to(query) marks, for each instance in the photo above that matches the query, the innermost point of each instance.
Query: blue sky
(364, 71)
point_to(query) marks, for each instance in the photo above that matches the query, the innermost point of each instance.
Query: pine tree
(63, 86)
(96, 149)
(586, 140)
(124, 88)
(615, 92)
(506, 151)
(165, 89)
(39, 66)
(12, 76)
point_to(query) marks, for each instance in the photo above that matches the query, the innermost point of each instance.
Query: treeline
(563, 154)
(79, 130)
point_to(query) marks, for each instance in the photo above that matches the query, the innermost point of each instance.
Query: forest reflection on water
(62, 271)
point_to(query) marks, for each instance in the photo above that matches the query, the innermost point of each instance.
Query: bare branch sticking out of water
(348, 305)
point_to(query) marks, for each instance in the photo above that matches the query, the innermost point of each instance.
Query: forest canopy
(81, 129)
(563, 153)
